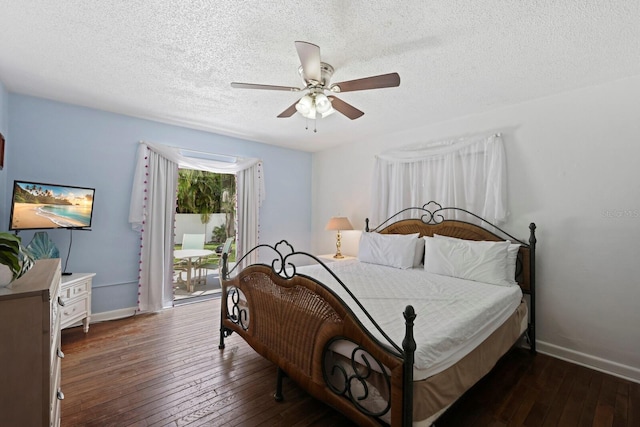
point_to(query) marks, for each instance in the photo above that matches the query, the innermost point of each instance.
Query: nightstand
(327, 258)
(75, 293)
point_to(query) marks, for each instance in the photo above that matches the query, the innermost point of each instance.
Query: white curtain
(468, 173)
(250, 196)
(153, 206)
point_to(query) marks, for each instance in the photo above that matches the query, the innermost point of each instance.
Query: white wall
(572, 164)
(191, 224)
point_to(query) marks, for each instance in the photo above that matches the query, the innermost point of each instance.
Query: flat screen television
(37, 205)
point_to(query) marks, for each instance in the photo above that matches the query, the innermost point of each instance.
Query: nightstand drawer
(73, 311)
(75, 290)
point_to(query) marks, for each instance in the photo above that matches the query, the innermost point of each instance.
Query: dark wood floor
(166, 370)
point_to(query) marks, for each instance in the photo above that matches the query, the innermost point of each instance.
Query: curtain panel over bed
(468, 172)
(153, 207)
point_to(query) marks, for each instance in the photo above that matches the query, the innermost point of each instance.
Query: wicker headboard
(432, 220)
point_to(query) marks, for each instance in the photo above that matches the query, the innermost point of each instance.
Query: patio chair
(179, 267)
(191, 241)
(213, 262)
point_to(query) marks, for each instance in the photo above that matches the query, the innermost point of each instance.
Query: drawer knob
(60, 395)
(60, 302)
(60, 354)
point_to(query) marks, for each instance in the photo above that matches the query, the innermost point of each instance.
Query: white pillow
(419, 254)
(394, 250)
(467, 259)
(512, 257)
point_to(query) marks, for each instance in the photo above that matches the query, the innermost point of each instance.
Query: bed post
(532, 286)
(409, 347)
(278, 396)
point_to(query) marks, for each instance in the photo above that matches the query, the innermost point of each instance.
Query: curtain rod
(231, 159)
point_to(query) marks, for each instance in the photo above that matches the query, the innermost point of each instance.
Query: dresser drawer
(56, 308)
(55, 352)
(56, 393)
(55, 318)
(55, 414)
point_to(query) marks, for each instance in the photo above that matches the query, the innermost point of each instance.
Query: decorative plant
(14, 255)
(206, 193)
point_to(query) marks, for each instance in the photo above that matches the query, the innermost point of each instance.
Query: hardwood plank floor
(165, 369)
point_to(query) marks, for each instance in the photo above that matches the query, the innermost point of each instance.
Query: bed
(436, 297)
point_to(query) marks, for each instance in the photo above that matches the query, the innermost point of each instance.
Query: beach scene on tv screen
(50, 206)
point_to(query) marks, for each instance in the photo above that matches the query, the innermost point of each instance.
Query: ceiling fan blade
(289, 111)
(266, 87)
(346, 109)
(309, 54)
(374, 82)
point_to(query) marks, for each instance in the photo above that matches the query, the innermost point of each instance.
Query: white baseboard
(607, 366)
(113, 315)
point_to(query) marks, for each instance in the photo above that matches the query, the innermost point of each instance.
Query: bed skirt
(440, 390)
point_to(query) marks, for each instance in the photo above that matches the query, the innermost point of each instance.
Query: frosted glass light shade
(322, 103)
(311, 114)
(305, 105)
(328, 113)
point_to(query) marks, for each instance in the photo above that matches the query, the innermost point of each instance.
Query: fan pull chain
(306, 125)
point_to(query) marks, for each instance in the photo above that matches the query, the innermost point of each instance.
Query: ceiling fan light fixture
(317, 76)
(305, 105)
(311, 114)
(322, 103)
(329, 112)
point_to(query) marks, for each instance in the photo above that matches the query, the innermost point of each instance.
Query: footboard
(311, 335)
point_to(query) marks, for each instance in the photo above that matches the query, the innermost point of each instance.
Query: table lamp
(338, 223)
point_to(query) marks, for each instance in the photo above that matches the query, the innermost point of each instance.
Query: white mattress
(453, 315)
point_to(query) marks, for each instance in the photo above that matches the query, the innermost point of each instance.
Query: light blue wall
(69, 145)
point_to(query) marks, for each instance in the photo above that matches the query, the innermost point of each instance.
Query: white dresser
(75, 293)
(30, 353)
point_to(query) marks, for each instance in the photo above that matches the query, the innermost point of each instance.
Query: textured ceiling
(173, 61)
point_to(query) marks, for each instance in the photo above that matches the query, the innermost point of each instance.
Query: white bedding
(453, 315)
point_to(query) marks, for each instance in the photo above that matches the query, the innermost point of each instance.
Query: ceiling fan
(316, 75)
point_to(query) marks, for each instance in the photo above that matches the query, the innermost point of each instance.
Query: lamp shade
(339, 223)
